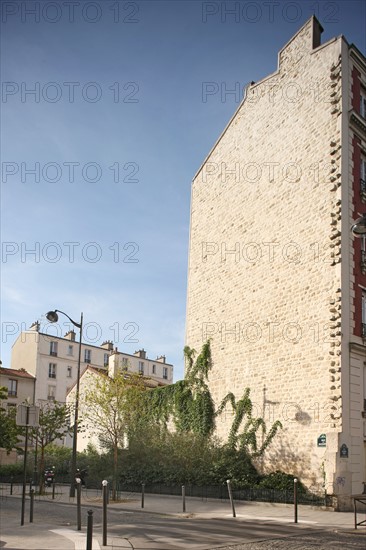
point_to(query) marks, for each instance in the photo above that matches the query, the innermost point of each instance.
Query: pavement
(274, 520)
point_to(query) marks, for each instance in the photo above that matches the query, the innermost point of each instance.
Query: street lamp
(359, 227)
(53, 318)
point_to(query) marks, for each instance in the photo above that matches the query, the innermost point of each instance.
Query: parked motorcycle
(49, 477)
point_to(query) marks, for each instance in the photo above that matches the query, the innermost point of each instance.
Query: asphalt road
(160, 531)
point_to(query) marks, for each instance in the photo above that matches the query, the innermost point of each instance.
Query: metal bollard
(11, 485)
(105, 498)
(231, 498)
(184, 498)
(143, 495)
(89, 531)
(78, 503)
(53, 490)
(31, 506)
(295, 500)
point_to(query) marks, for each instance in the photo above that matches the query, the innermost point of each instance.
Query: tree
(9, 431)
(53, 424)
(112, 410)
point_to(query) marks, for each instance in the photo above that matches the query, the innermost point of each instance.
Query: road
(159, 531)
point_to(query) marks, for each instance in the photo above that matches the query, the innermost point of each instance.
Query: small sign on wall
(343, 451)
(322, 440)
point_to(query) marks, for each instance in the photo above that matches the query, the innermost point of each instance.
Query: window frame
(52, 370)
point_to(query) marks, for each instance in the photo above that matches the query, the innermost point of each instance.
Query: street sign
(33, 416)
(322, 440)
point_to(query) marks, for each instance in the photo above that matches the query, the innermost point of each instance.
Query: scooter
(49, 477)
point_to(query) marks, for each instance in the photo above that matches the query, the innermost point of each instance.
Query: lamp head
(52, 316)
(359, 227)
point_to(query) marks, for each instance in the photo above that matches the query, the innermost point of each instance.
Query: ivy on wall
(189, 405)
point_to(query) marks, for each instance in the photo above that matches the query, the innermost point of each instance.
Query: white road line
(269, 518)
(79, 539)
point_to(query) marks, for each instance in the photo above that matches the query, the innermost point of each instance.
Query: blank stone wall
(264, 268)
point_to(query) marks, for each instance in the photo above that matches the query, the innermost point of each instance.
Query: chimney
(108, 345)
(34, 326)
(140, 353)
(161, 359)
(317, 30)
(70, 336)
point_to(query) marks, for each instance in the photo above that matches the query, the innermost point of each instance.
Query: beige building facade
(276, 279)
(20, 386)
(54, 360)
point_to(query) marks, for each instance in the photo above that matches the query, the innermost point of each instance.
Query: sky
(108, 109)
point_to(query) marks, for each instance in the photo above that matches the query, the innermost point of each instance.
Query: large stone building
(276, 278)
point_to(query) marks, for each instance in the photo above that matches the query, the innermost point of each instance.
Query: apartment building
(54, 360)
(276, 278)
(20, 386)
(157, 370)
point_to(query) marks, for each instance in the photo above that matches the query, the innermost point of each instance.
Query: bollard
(31, 506)
(184, 498)
(105, 498)
(11, 485)
(53, 490)
(89, 531)
(143, 495)
(231, 498)
(30, 485)
(78, 503)
(295, 500)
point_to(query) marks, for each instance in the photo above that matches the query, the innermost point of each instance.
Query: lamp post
(53, 318)
(359, 227)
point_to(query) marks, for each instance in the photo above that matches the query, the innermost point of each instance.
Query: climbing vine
(248, 439)
(189, 405)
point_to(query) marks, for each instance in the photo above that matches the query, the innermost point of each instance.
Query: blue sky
(114, 133)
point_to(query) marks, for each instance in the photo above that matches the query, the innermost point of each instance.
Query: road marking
(79, 539)
(269, 518)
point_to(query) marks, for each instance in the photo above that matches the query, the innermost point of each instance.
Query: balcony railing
(53, 353)
(12, 393)
(363, 330)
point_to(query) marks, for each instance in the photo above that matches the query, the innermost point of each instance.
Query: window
(12, 388)
(363, 255)
(363, 104)
(124, 363)
(106, 357)
(141, 367)
(363, 313)
(87, 356)
(51, 393)
(70, 350)
(154, 369)
(165, 373)
(363, 179)
(69, 372)
(52, 370)
(53, 349)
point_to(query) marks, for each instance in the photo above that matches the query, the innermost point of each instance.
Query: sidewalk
(249, 515)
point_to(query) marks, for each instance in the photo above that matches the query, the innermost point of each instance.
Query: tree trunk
(41, 471)
(115, 469)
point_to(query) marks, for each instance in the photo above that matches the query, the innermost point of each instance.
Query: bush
(281, 481)
(8, 470)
